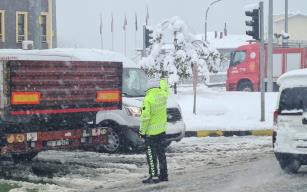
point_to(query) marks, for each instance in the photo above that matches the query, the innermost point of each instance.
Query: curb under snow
(209, 133)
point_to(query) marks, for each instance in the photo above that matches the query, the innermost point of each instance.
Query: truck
(124, 123)
(243, 73)
(49, 99)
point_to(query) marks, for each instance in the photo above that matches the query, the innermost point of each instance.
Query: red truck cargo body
(49, 98)
(243, 73)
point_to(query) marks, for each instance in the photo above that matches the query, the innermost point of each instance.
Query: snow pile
(175, 49)
(231, 41)
(227, 111)
(67, 54)
(26, 187)
(295, 78)
(100, 172)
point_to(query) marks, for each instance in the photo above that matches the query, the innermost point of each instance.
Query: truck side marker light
(108, 96)
(26, 98)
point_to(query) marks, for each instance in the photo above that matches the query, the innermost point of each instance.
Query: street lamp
(213, 2)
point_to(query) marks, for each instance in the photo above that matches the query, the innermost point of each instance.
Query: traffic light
(148, 36)
(254, 23)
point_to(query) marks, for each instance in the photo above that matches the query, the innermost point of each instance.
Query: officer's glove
(142, 136)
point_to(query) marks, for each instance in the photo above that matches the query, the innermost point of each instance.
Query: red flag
(136, 22)
(147, 17)
(100, 25)
(125, 23)
(112, 24)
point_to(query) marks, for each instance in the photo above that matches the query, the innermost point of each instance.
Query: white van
(125, 123)
(290, 121)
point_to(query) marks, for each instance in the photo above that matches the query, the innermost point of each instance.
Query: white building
(297, 25)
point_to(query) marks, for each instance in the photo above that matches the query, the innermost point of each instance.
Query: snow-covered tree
(174, 49)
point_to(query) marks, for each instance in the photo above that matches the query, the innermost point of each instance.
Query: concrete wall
(34, 9)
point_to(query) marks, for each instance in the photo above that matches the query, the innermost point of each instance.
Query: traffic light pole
(262, 71)
(144, 41)
(270, 48)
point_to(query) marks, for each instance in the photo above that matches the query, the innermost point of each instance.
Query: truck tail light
(276, 113)
(108, 96)
(25, 98)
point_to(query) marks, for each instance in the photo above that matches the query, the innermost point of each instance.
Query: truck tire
(115, 142)
(245, 86)
(24, 157)
(288, 163)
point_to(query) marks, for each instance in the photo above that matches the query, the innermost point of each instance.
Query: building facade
(28, 20)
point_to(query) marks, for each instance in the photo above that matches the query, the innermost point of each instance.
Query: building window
(21, 26)
(2, 26)
(43, 25)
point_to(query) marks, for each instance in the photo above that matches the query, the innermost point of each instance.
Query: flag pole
(112, 30)
(125, 35)
(135, 34)
(125, 44)
(101, 32)
(147, 15)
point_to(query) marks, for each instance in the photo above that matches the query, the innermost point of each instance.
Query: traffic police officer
(153, 127)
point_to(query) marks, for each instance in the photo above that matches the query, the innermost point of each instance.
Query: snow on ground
(90, 171)
(226, 111)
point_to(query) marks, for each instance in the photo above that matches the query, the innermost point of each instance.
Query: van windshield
(237, 57)
(134, 82)
(293, 100)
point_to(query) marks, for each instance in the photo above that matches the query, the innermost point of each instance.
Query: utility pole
(286, 16)
(262, 71)
(285, 40)
(270, 48)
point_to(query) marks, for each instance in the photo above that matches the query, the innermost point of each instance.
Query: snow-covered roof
(66, 54)
(295, 78)
(281, 17)
(230, 41)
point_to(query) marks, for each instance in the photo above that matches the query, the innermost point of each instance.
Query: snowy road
(196, 164)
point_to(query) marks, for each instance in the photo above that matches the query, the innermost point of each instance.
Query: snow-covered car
(125, 123)
(290, 121)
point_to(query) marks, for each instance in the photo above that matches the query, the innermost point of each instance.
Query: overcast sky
(78, 21)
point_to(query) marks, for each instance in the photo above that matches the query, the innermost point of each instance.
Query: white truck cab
(290, 121)
(125, 123)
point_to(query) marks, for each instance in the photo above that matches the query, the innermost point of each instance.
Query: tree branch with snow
(175, 49)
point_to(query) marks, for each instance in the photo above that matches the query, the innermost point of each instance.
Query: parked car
(290, 121)
(125, 122)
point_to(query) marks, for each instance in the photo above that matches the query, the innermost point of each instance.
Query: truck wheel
(288, 163)
(115, 142)
(24, 157)
(245, 86)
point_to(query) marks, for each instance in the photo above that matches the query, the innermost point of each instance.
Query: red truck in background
(49, 99)
(243, 73)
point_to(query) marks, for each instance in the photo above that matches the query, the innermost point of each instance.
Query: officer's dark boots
(151, 180)
(163, 177)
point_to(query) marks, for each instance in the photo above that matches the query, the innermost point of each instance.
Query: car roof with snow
(295, 78)
(66, 54)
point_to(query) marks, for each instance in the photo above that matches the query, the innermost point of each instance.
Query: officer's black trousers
(155, 152)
